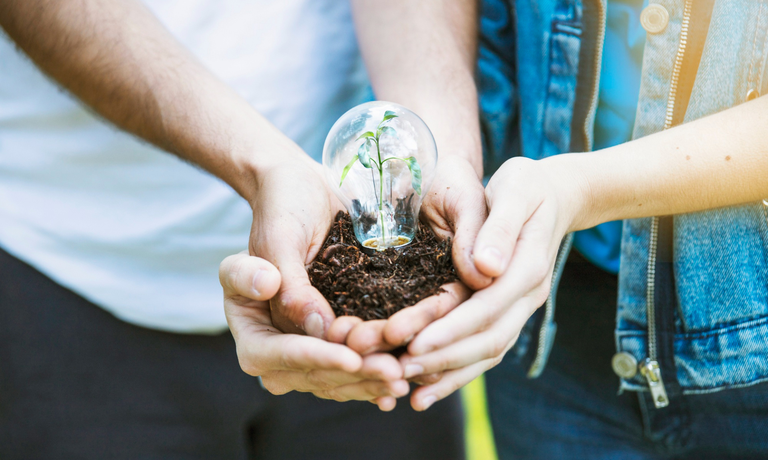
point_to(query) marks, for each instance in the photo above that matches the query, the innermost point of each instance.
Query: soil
(377, 285)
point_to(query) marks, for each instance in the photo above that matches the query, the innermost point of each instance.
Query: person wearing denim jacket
(692, 315)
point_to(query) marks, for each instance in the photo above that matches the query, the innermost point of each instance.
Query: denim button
(654, 18)
(752, 94)
(624, 365)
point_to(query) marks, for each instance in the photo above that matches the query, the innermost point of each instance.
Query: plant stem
(380, 167)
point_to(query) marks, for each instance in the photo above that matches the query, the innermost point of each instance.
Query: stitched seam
(749, 324)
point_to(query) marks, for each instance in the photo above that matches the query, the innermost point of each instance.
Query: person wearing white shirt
(112, 336)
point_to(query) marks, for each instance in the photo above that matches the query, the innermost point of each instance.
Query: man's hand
(288, 362)
(532, 207)
(292, 213)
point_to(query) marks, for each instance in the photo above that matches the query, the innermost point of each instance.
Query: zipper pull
(652, 373)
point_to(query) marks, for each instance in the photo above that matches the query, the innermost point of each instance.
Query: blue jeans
(573, 410)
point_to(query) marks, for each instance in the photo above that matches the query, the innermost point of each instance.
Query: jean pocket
(564, 48)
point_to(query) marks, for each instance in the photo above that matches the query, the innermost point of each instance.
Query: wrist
(570, 179)
(255, 157)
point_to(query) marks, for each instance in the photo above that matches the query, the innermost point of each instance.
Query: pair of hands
(505, 242)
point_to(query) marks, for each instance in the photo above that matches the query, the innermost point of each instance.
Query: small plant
(371, 139)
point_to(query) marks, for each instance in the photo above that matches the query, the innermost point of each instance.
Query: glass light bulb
(379, 159)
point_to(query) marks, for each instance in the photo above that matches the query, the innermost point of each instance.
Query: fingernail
(313, 325)
(494, 257)
(412, 370)
(408, 339)
(256, 277)
(428, 401)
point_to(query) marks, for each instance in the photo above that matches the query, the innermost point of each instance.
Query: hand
(533, 204)
(288, 362)
(366, 337)
(292, 213)
(454, 208)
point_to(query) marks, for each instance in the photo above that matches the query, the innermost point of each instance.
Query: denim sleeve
(496, 83)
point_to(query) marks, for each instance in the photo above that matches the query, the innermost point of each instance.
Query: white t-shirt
(136, 230)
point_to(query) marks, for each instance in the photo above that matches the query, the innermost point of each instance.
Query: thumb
(248, 276)
(298, 306)
(470, 213)
(497, 238)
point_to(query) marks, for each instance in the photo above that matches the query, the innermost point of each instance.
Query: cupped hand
(533, 204)
(293, 209)
(455, 208)
(287, 362)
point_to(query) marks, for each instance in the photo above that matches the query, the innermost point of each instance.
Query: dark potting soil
(379, 285)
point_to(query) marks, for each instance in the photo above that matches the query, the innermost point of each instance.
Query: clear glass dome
(380, 159)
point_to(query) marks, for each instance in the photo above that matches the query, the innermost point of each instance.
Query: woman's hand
(533, 204)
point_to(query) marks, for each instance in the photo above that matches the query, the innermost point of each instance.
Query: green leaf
(363, 155)
(388, 115)
(389, 130)
(367, 134)
(346, 169)
(413, 165)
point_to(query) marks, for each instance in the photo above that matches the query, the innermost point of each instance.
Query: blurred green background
(477, 431)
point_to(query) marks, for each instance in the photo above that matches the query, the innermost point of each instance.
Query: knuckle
(333, 394)
(499, 346)
(489, 316)
(496, 361)
(247, 364)
(316, 380)
(273, 386)
(232, 274)
(442, 363)
(292, 356)
(455, 385)
(503, 229)
(539, 271)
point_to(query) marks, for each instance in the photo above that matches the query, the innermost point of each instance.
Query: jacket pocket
(564, 48)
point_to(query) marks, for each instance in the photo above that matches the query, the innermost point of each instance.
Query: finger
(261, 351)
(298, 305)
(366, 337)
(467, 216)
(490, 344)
(340, 327)
(248, 276)
(427, 379)
(405, 324)
(385, 403)
(365, 390)
(281, 382)
(424, 397)
(528, 273)
(381, 366)
(496, 239)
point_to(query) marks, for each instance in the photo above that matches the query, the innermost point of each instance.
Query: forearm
(422, 55)
(720, 160)
(119, 60)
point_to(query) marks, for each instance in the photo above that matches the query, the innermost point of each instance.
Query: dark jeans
(76, 383)
(573, 410)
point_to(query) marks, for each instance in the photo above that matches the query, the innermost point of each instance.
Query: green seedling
(371, 139)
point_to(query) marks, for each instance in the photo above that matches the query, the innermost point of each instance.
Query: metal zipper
(589, 121)
(545, 334)
(650, 367)
(765, 209)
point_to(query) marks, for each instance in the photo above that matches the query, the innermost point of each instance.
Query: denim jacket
(538, 75)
